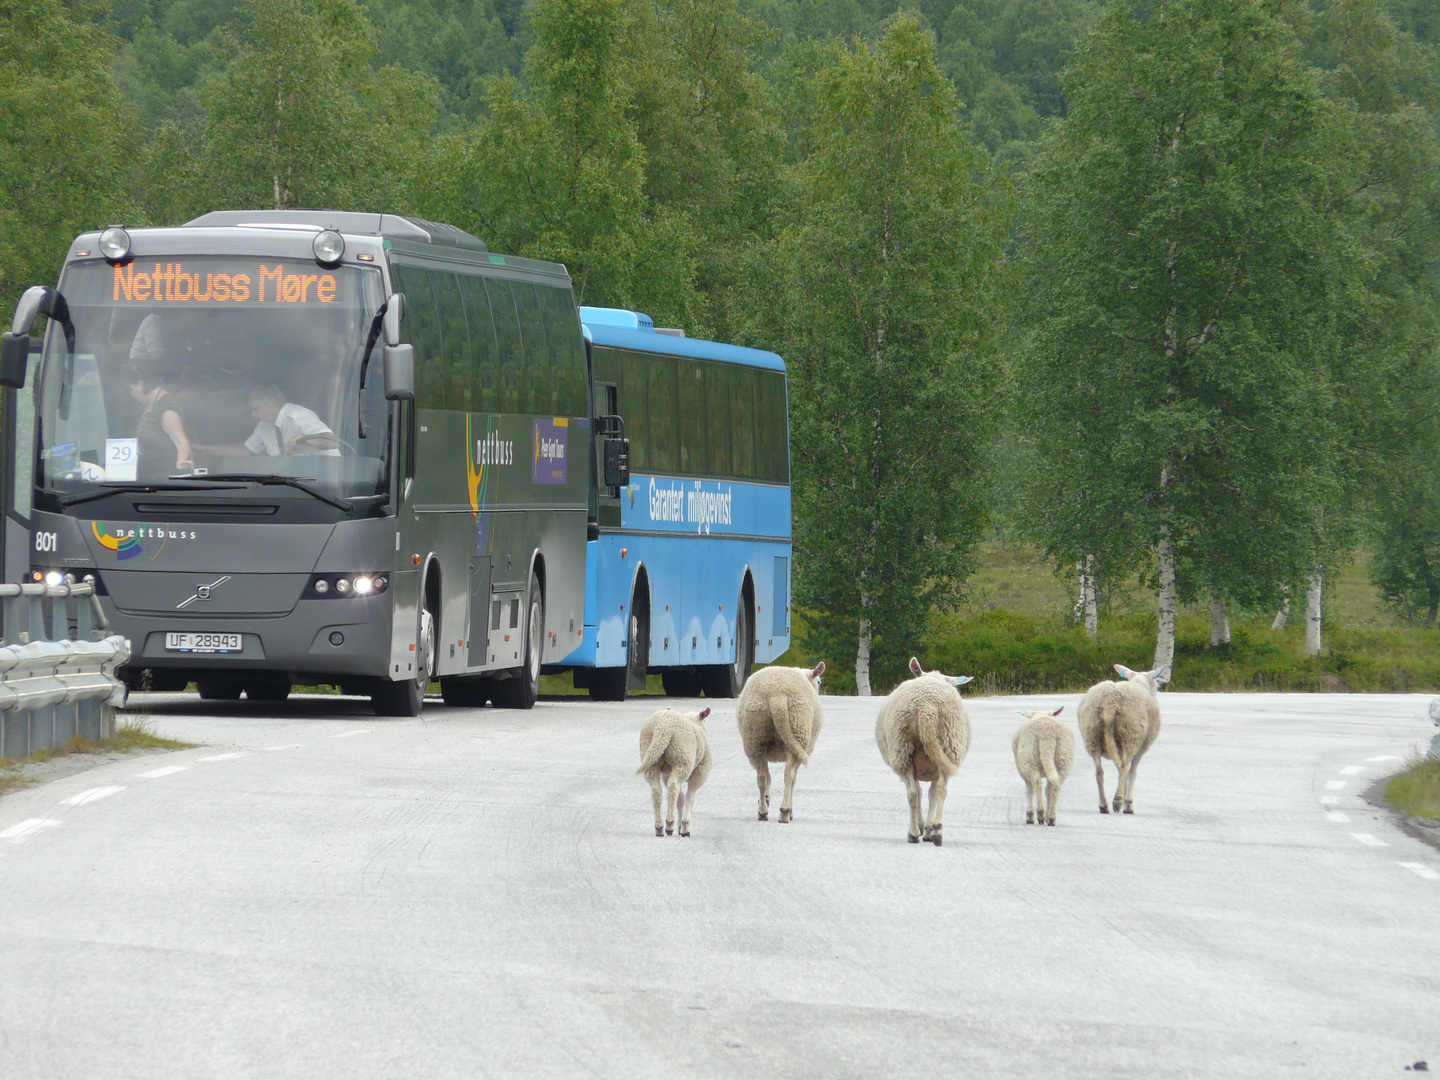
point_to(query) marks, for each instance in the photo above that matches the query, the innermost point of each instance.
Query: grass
(135, 733)
(1416, 791)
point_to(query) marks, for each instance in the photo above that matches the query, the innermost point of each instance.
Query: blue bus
(687, 572)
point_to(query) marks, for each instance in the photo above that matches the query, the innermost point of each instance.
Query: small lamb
(1119, 721)
(1044, 751)
(780, 718)
(674, 748)
(924, 733)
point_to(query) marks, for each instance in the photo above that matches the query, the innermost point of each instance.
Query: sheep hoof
(1029, 819)
(1050, 822)
(936, 838)
(669, 829)
(913, 838)
(1104, 809)
(1129, 810)
(785, 816)
(659, 830)
(764, 816)
(1116, 805)
(684, 832)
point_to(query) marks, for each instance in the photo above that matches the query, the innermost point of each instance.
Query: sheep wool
(780, 717)
(675, 750)
(924, 734)
(1119, 721)
(1044, 752)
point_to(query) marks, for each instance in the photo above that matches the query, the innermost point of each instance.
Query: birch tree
(1190, 259)
(886, 293)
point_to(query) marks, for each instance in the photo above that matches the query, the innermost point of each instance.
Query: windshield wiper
(275, 478)
(373, 336)
(117, 489)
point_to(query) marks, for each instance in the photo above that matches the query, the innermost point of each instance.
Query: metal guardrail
(57, 668)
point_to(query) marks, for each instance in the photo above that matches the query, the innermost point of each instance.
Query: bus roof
(388, 226)
(618, 328)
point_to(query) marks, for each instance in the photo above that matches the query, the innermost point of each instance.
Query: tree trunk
(1312, 615)
(1087, 597)
(1433, 608)
(862, 660)
(1283, 615)
(1219, 622)
(1165, 639)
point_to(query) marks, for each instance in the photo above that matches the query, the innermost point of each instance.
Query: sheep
(924, 733)
(1119, 721)
(779, 715)
(674, 748)
(1044, 751)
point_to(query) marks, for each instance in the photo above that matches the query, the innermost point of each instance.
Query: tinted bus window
(567, 351)
(694, 454)
(453, 368)
(662, 430)
(536, 372)
(483, 394)
(423, 322)
(717, 418)
(514, 393)
(634, 397)
(742, 419)
(771, 431)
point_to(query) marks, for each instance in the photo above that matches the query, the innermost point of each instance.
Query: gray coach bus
(221, 431)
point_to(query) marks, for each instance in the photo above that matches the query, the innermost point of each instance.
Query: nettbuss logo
(124, 547)
(493, 450)
(550, 451)
(125, 541)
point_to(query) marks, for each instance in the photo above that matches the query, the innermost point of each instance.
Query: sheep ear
(704, 713)
(960, 680)
(914, 666)
(1123, 671)
(817, 671)
(1058, 711)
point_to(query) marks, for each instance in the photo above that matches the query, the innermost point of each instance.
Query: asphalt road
(480, 893)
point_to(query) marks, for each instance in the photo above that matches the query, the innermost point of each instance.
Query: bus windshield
(214, 365)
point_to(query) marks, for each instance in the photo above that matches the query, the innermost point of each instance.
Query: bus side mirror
(394, 314)
(400, 372)
(15, 352)
(14, 356)
(617, 462)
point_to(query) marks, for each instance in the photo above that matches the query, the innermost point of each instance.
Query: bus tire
(727, 680)
(521, 690)
(219, 689)
(470, 692)
(681, 682)
(407, 697)
(267, 690)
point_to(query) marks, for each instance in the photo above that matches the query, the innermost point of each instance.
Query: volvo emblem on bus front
(202, 592)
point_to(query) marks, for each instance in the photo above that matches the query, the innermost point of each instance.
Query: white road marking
(93, 794)
(166, 771)
(1383, 757)
(1351, 770)
(1367, 839)
(1329, 800)
(28, 827)
(1421, 869)
(225, 757)
(1338, 818)
(1336, 785)
(347, 734)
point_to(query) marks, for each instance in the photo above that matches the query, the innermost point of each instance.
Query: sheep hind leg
(1130, 786)
(1100, 783)
(792, 766)
(1052, 796)
(1030, 801)
(912, 792)
(1122, 786)
(762, 776)
(687, 798)
(938, 787)
(655, 797)
(673, 788)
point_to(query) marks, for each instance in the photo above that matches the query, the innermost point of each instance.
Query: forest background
(1112, 328)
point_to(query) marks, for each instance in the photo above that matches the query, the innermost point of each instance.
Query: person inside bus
(282, 427)
(161, 443)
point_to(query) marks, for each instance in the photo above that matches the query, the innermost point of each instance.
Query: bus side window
(480, 372)
(742, 420)
(664, 435)
(454, 356)
(423, 322)
(514, 393)
(694, 455)
(567, 350)
(537, 349)
(770, 423)
(717, 418)
(634, 407)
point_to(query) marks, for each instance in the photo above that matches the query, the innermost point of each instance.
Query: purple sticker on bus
(549, 461)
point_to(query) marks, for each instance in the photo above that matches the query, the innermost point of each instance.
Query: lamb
(924, 733)
(1119, 721)
(780, 718)
(674, 748)
(1044, 751)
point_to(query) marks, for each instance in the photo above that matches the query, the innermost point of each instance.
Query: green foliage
(1416, 791)
(883, 306)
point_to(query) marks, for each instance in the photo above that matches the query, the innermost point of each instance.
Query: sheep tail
(659, 743)
(1107, 712)
(1047, 762)
(780, 716)
(927, 727)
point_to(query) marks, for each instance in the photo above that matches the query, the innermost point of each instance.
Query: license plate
(188, 641)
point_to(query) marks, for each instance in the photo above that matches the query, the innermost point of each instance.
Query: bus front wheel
(407, 697)
(521, 690)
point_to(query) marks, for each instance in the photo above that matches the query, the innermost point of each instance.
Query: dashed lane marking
(1421, 869)
(28, 827)
(1336, 785)
(89, 795)
(166, 771)
(1338, 818)
(1368, 840)
(348, 734)
(1329, 800)
(1351, 770)
(225, 757)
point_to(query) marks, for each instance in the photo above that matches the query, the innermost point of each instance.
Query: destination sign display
(214, 282)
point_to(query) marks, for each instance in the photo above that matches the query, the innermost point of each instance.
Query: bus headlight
(329, 248)
(115, 244)
(343, 586)
(54, 577)
(364, 586)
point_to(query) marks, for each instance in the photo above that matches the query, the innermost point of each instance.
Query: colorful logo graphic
(550, 461)
(124, 547)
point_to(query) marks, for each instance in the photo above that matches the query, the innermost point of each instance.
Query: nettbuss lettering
(171, 283)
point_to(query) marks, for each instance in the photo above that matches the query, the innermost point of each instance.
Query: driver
(283, 427)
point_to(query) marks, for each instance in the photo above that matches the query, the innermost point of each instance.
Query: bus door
(17, 444)
(607, 401)
(477, 641)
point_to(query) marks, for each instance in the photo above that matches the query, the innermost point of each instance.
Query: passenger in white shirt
(283, 428)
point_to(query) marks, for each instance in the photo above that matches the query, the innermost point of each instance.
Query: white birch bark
(1165, 639)
(1219, 621)
(1283, 615)
(1312, 615)
(862, 660)
(1085, 610)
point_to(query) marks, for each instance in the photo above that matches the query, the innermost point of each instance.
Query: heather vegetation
(1148, 287)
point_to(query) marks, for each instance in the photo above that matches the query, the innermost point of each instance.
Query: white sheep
(1119, 721)
(924, 733)
(674, 748)
(780, 717)
(1044, 751)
